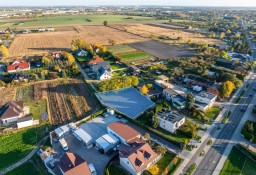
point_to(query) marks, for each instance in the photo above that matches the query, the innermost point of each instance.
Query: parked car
(92, 169)
(63, 144)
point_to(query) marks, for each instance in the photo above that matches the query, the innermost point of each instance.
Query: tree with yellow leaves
(5, 51)
(69, 57)
(166, 171)
(226, 89)
(154, 170)
(144, 89)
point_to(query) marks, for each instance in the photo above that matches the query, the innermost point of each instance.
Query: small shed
(107, 142)
(62, 131)
(83, 136)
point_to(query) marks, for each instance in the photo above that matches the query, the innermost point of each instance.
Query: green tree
(238, 83)
(160, 149)
(155, 121)
(228, 31)
(64, 74)
(224, 54)
(222, 35)
(158, 107)
(190, 100)
(42, 75)
(5, 51)
(105, 23)
(146, 136)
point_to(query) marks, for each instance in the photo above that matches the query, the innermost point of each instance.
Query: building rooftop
(207, 95)
(11, 109)
(124, 130)
(169, 116)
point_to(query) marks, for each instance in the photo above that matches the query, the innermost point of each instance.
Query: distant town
(127, 90)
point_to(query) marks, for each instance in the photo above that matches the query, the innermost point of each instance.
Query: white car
(63, 144)
(92, 169)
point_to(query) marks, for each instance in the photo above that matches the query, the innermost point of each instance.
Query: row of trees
(118, 83)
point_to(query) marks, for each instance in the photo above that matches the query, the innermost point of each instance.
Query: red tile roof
(123, 130)
(96, 60)
(73, 164)
(19, 63)
(139, 153)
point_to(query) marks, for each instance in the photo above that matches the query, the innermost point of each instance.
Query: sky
(237, 3)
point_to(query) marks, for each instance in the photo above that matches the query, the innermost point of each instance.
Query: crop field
(238, 163)
(71, 20)
(7, 95)
(155, 32)
(129, 54)
(40, 43)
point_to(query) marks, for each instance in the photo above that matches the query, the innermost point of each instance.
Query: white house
(137, 157)
(123, 132)
(41, 30)
(12, 111)
(205, 100)
(170, 121)
(81, 53)
(51, 29)
(104, 74)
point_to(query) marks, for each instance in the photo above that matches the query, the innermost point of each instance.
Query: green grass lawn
(82, 59)
(24, 93)
(115, 170)
(33, 166)
(118, 49)
(165, 161)
(213, 112)
(135, 56)
(238, 163)
(37, 108)
(83, 19)
(17, 145)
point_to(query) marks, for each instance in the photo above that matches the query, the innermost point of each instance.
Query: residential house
(205, 100)
(73, 164)
(122, 131)
(163, 78)
(206, 84)
(12, 111)
(137, 156)
(25, 121)
(18, 65)
(169, 121)
(102, 70)
(178, 101)
(95, 60)
(104, 74)
(81, 53)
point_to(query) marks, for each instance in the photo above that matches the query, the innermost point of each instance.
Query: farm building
(127, 101)
(107, 142)
(83, 136)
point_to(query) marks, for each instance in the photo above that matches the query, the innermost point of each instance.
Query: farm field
(129, 54)
(16, 145)
(40, 43)
(160, 50)
(238, 164)
(78, 20)
(7, 95)
(153, 31)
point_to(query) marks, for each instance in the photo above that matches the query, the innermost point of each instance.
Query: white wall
(25, 124)
(126, 164)
(9, 120)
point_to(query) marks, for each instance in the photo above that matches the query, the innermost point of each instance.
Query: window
(127, 162)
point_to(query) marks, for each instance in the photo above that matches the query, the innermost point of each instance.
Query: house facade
(169, 121)
(12, 111)
(104, 74)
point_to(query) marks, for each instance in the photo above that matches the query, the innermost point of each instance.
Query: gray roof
(170, 116)
(127, 101)
(207, 95)
(96, 67)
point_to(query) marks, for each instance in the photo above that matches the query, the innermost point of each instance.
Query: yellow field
(40, 43)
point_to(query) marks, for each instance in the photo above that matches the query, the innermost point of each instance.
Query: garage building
(83, 136)
(107, 142)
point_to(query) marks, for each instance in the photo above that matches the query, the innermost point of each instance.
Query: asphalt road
(212, 157)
